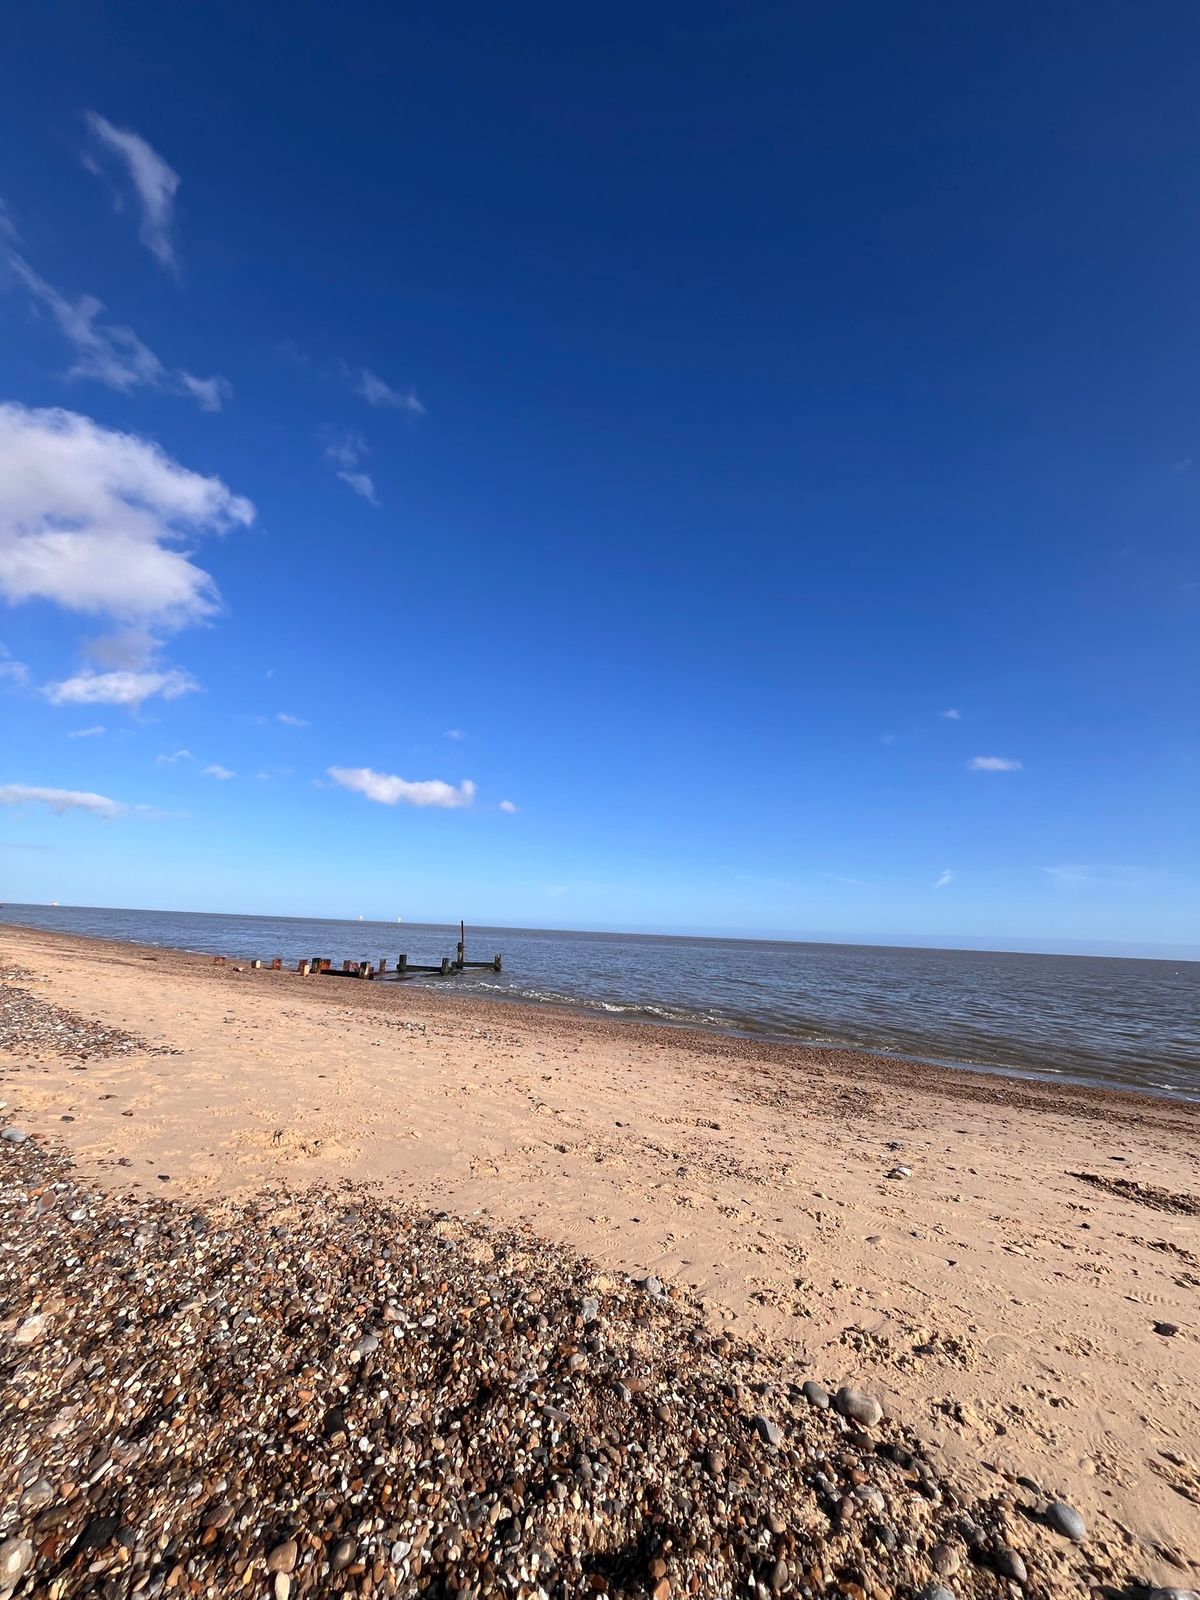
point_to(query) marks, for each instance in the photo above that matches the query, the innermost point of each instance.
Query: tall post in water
(462, 944)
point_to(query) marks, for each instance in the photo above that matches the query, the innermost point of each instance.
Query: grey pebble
(936, 1591)
(1066, 1520)
(857, 1406)
(1010, 1565)
(1174, 1594)
(769, 1432)
(815, 1395)
(590, 1308)
(15, 1557)
(14, 1136)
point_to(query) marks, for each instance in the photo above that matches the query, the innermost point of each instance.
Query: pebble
(1174, 1594)
(284, 1556)
(14, 1135)
(858, 1407)
(815, 1394)
(900, 1172)
(946, 1560)
(1009, 1564)
(30, 1331)
(15, 1558)
(936, 1591)
(590, 1309)
(769, 1432)
(1168, 1330)
(1066, 1520)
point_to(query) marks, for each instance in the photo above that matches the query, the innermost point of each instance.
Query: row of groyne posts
(323, 967)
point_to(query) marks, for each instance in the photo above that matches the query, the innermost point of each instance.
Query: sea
(1100, 1020)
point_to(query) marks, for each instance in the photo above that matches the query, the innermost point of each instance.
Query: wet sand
(1002, 1299)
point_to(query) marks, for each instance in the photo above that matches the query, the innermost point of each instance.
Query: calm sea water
(1090, 1019)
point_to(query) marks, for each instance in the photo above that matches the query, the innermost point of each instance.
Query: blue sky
(689, 466)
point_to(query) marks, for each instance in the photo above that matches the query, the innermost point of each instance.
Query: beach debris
(900, 1172)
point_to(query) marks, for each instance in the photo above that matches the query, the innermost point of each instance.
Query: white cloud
(951, 715)
(176, 755)
(378, 393)
(89, 518)
(455, 733)
(215, 770)
(120, 688)
(946, 877)
(839, 877)
(362, 484)
(1082, 875)
(507, 805)
(993, 764)
(93, 732)
(154, 183)
(20, 794)
(389, 791)
(211, 393)
(289, 720)
(11, 670)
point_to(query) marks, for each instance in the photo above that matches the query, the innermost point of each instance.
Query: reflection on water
(1088, 1018)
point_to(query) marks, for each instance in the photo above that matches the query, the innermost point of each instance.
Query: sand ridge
(1002, 1299)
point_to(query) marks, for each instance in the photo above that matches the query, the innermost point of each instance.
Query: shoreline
(961, 1078)
(988, 1255)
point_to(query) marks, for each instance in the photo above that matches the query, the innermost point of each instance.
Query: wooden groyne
(323, 966)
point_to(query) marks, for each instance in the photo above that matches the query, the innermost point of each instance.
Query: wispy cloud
(887, 738)
(944, 878)
(346, 452)
(507, 805)
(120, 688)
(90, 519)
(289, 720)
(154, 183)
(215, 770)
(211, 393)
(378, 393)
(950, 714)
(1083, 875)
(109, 352)
(387, 790)
(93, 732)
(11, 670)
(993, 764)
(176, 755)
(60, 800)
(456, 734)
(839, 877)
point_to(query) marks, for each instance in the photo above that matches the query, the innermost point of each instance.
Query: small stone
(946, 1560)
(900, 1172)
(1174, 1594)
(283, 1586)
(14, 1136)
(1066, 1520)
(622, 1390)
(714, 1460)
(815, 1395)
(365, 1346)
(662, 1589)
(30, 1331)
(858, 1407)
(1167, 1330)
(283, 1557)
(779, 1574)
(1010, 1565)
(37, 1496)
(867, 1494)
(15, 1558)
(936, 1591)
(590, 1309)
(343, 1554)
(769, 1432)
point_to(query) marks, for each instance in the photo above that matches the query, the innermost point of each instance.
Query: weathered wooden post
(365, 969)
(382, 964)
(304, 968)
(277, 964)
(402, 964)
(255, 965)
(497, 963)
(462, 945)
(324, 964)
(445, 966)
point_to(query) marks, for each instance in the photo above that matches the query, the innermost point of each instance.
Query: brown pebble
(283, 1557)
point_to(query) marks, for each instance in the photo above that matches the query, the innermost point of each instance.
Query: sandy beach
(1012, 1268)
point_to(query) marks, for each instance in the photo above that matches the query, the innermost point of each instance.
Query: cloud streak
(993, 764)
(944, 878)
(378, 393)
(120, 688)
(60, 800)
(154, 184)
(387, 790)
